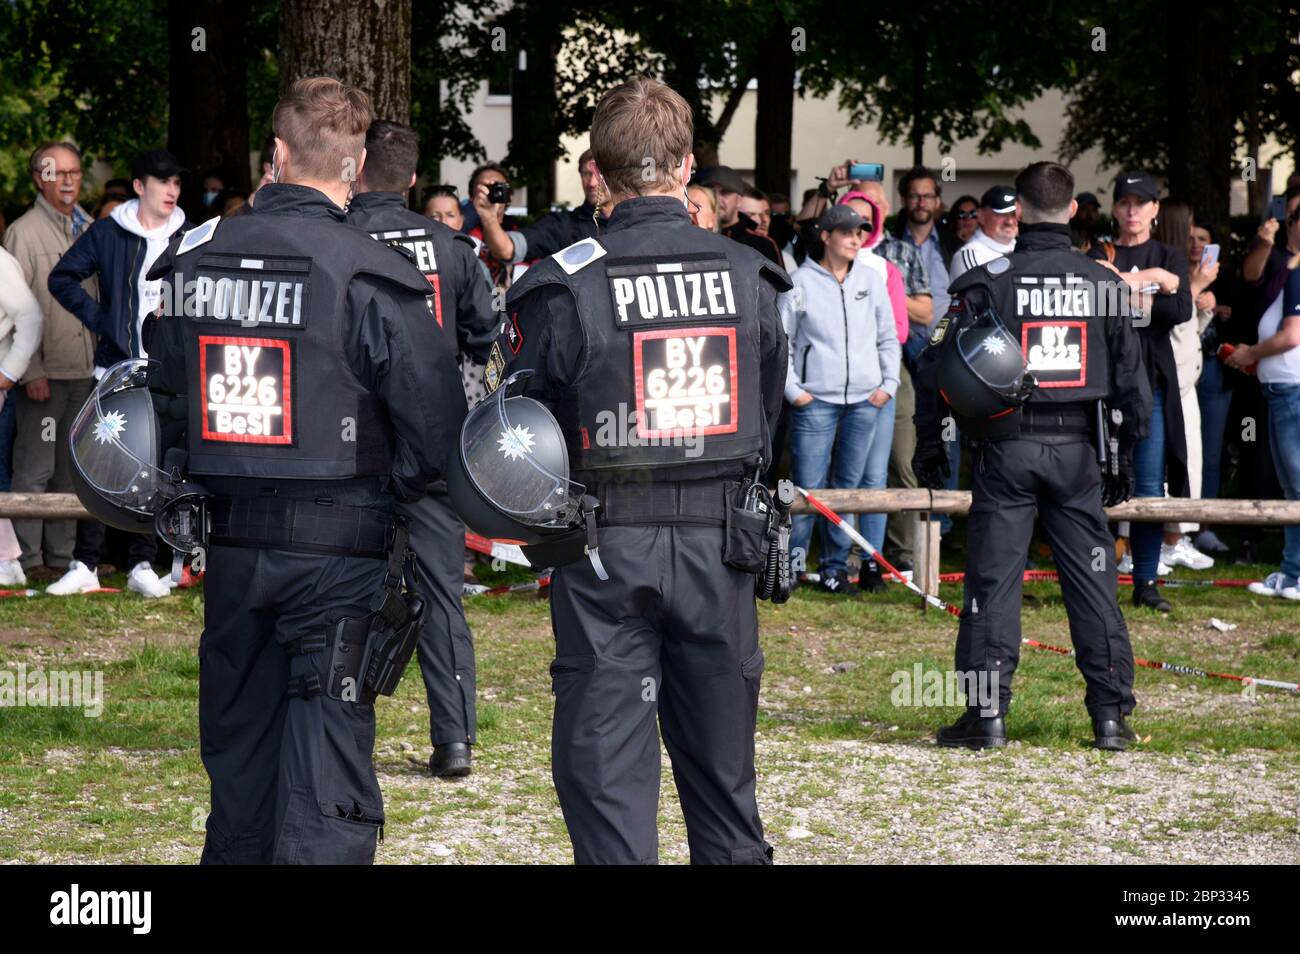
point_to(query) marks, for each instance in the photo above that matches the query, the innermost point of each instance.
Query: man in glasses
(922, 199)
(61, 373)
(555, 230)
(999, 221)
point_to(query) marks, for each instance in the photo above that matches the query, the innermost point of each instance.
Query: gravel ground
(912, 803)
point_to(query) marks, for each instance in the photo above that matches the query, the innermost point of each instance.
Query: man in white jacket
(21, 326)
(999, 223)
(844, 367)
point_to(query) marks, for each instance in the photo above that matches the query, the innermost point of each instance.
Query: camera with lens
(499, 193)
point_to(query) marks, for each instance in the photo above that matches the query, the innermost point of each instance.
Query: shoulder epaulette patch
(579, 255)
(199, 235)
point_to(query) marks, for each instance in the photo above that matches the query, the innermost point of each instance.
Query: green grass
(129, 785)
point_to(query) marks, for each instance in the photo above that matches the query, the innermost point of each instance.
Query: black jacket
(1041, 250)
(546, 333)
(463, 286)
(1157, 348)
(390, 347)
(557, 230)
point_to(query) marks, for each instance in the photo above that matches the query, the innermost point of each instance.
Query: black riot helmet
(509, 476)
(116, 449)
(982, 373)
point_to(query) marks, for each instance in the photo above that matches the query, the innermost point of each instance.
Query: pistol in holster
(369, 654)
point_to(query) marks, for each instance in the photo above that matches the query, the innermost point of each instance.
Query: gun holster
(777, 580)
(368, 654)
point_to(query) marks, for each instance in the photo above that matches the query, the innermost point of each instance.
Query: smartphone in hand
(1210, 255)
(866, 171)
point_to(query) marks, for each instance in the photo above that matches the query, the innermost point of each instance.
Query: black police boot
(974, 731)
(1113, 735)
(450, 761)
(1148, 594)
(869, 579)
(837, 581)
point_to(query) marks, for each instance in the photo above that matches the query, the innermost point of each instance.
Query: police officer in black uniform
(461, 307)
(1048, 313)
(659, 349)
(318, 390)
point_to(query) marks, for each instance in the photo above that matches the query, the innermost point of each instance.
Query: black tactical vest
(1058, 317)
(671, 368)
(427, 243)
(272, 393)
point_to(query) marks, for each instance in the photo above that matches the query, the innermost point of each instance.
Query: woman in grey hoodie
(844, 365)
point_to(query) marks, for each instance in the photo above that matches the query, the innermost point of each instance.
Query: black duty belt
(1062, 419)
(310, 526)
(701, 503)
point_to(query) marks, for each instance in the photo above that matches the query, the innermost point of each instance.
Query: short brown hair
(640, 132)
(324, 123)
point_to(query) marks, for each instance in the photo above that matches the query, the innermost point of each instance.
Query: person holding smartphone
(1278, 358)
(1143, 263)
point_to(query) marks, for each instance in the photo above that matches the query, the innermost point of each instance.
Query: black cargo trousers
(1061, 482)
(292, 777)
(446, 648)
(669, 641)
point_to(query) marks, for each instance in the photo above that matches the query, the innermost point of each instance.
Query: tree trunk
(534, 142)
(918, 94)
(1201, 130)
(774, 120)
(207, 118)
(364, 43)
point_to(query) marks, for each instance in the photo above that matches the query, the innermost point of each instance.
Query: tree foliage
(94, 71)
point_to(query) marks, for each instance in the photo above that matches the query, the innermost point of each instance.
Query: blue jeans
(1284, 439)
(876, 474)
(831, 441)
(1149, 467)
(1215, 397)
(8, 423)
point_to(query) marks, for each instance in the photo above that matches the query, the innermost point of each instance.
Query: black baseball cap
(1087, 198)
(1000, 199)
(840, 217)
(1137, 183)
(724, 177)
(158, 163)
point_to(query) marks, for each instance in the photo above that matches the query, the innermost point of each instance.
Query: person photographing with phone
(1157, 275)
(1278, 357)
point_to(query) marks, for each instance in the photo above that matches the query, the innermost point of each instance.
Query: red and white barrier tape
(861, 541)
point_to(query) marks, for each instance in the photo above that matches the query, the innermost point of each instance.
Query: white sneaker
(1207, 541)
(1183, 553)
(79, 579)
(144, 580)
(1125, 565)
(11, 573)
(1276, 584)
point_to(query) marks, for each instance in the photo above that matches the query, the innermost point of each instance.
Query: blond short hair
(324, 123)
(640, 133)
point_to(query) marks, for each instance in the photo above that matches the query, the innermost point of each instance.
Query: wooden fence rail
(1141, 510)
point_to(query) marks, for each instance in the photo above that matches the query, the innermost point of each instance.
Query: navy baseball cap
(1137, 183)
(1000, 199)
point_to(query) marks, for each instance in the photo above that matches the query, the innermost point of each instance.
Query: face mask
(210, 197)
